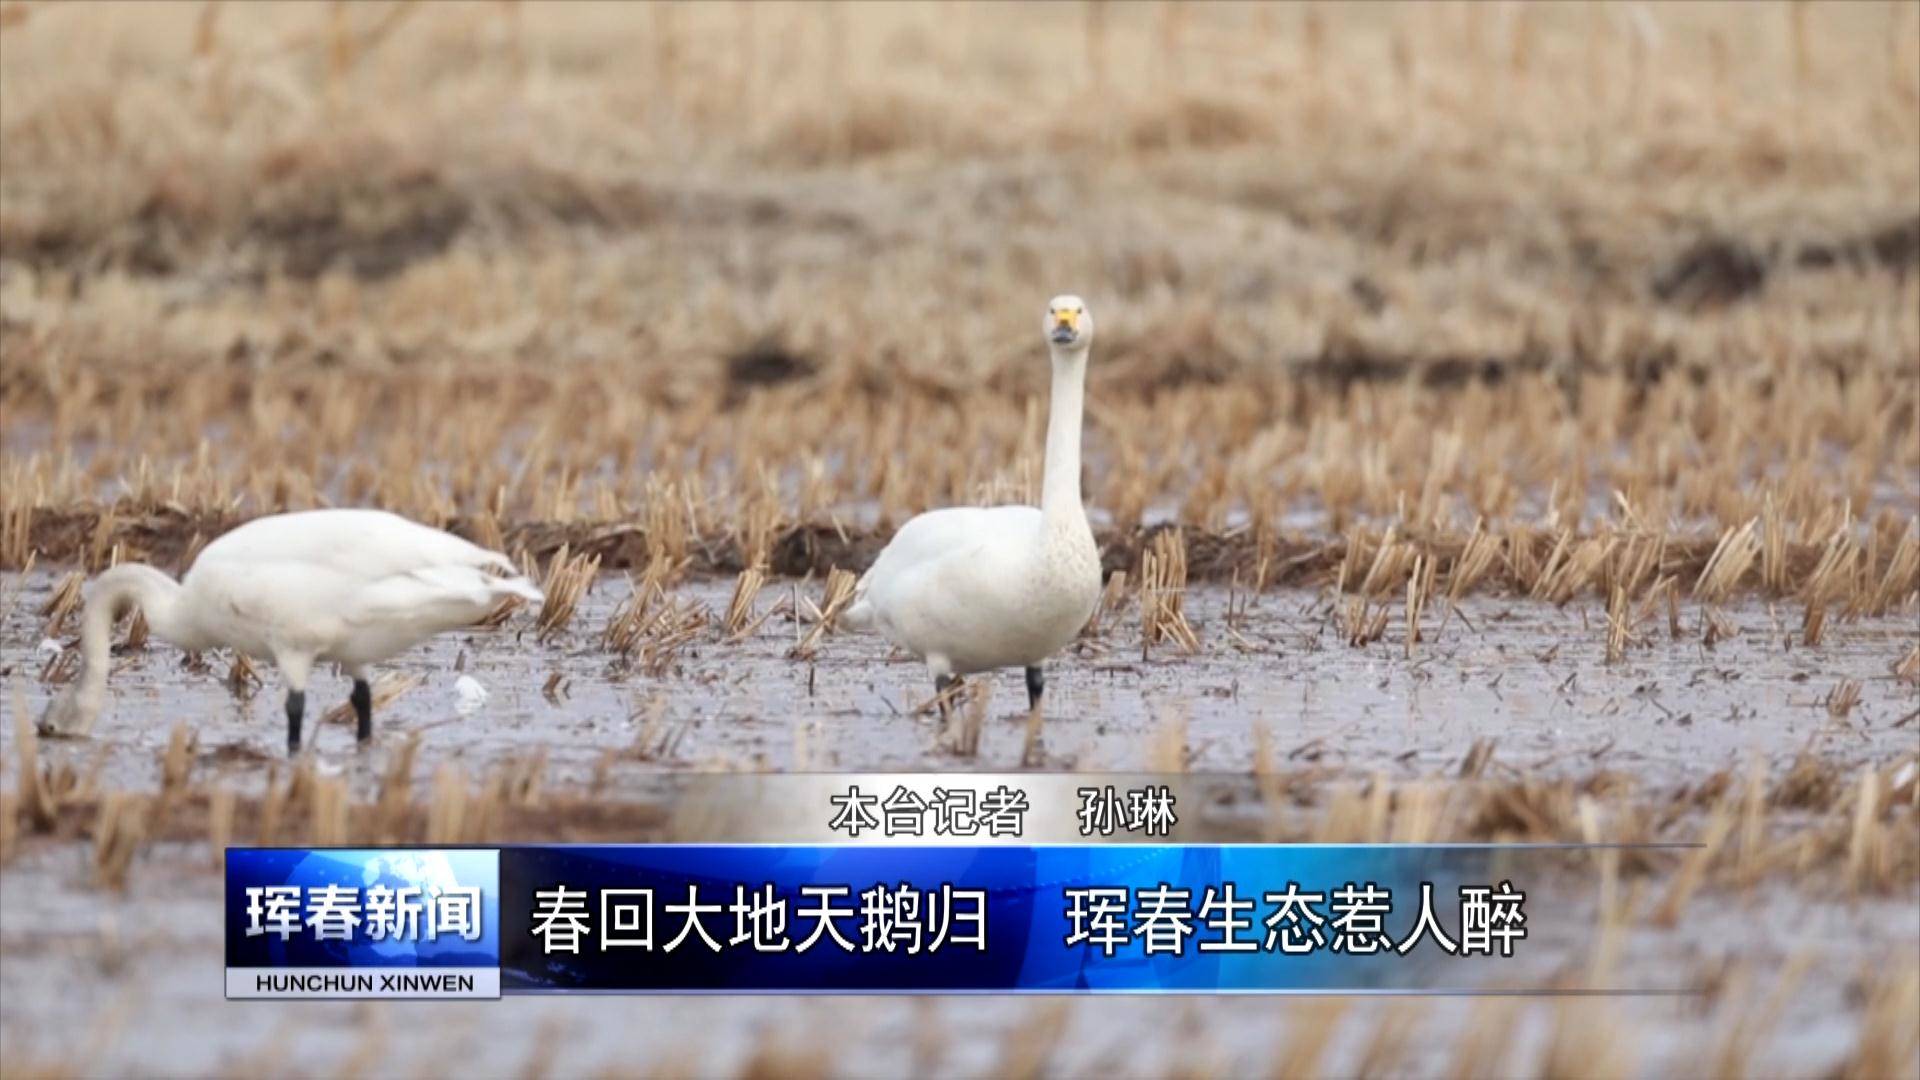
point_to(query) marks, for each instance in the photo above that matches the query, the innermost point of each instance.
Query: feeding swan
(354, 587)
(973, 588)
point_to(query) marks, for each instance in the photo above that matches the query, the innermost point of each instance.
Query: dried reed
(739, 622)
(1163, 585)
(839, 593)
(567, 581)
(1842, 698)
(964, 705)
(63, 603)
(387, 688)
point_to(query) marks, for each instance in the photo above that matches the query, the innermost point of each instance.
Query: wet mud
(1529, 678)
(98, 981)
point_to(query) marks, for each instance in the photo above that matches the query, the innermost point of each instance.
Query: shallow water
(1530, 677)
(128, 983)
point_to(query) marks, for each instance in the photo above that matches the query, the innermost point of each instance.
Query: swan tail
(444, 596)
(859, 614)
(521, 587)
(505, 579)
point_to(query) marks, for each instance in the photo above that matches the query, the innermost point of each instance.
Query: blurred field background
(1596, 271)
(1405, 310)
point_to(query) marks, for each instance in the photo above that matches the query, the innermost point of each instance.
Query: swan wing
(438, 596)
(965, 604)
(363, 545)
(938, 534)
(935, 557)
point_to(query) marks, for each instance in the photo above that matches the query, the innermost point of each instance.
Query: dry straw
(838, 594)
(965, 707)
(1163, 586)
(387, 688)
(1842, 698)
(568, 578)
(740, 622)
(63, 603)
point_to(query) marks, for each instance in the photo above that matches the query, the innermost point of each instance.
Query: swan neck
(1060, 485)
(130, 585)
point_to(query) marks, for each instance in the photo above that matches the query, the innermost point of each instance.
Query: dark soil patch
(163, 538)
(1718, 270)
(764, 363)
(1713, 272)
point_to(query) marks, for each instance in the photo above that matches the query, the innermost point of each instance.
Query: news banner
(907, 883)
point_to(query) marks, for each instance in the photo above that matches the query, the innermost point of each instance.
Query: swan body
(972, 589)
(351, 587)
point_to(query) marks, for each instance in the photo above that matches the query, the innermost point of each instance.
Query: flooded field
(1531, 679)
(105, 980)
(1500, 429)
(104, 983)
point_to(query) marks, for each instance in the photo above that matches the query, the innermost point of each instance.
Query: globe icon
(402, 942)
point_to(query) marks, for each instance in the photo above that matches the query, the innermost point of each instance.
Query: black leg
(941, 684)
(362, 698)
(296, 706)
(1036, 685)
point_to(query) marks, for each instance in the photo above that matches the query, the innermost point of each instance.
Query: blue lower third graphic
(817, 919)
(363, 923)
(1055, 919)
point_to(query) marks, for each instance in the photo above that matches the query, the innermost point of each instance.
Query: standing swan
(974, 588)
(353, 587)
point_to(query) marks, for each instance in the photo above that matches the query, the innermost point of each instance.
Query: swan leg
(295, 667)
(296, 708)
(941, 669)
(362, 698)
(1036, 685)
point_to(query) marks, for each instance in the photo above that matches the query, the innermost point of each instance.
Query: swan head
(1069, 325)
(73, 711)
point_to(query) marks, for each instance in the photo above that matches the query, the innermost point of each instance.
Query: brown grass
(63, 603)
(649, 628)
(1587, 1042)
(1308, 1036)
(1505, 356)
(1889, 1041)
(1163, 585)
(1487, 1041)
(117, 836)
(838, 594)
(568, 578)
(1907, 668)
(965, 711)
(739, 621)
(1842, 698)
(388, 687)
(1621, 306)
(1028, 1046)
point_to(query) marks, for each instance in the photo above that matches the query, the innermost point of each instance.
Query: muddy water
(106, 984)
(1528, 676)
(101, 983)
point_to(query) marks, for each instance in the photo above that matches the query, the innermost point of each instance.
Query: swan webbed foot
(362, 699)
(296, 708)
(1036, 685)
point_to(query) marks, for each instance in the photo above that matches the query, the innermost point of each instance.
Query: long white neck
(1060, 485)
(132, 584)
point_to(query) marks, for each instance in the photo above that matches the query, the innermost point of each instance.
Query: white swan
(972, 588)
(353, 587)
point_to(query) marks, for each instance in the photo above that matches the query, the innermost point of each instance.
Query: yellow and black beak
(1066, 325)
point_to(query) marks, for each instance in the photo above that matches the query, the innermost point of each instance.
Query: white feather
(352, 587)
(469, 695)
(973, 588)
